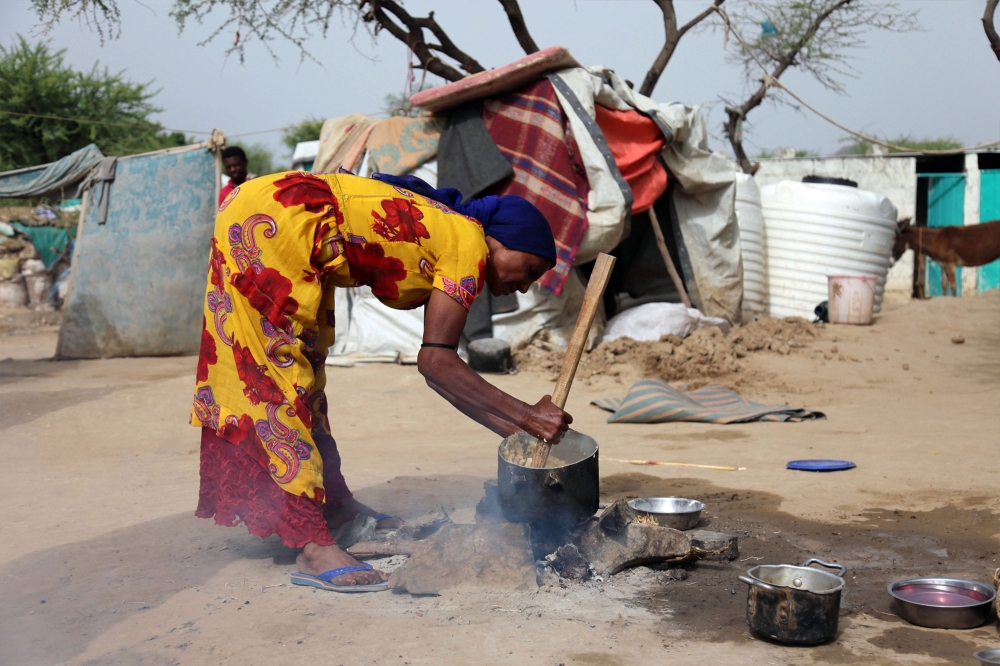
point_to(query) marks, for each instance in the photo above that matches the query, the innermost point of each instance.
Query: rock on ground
(425, 525)
(492, 557)
(639, 543)
(726, 545)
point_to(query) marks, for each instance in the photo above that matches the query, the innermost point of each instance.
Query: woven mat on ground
(655, 401)
(531, 131)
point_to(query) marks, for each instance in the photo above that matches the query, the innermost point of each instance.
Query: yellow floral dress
(282, 243)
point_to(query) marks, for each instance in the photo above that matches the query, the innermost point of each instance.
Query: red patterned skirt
(236, 488)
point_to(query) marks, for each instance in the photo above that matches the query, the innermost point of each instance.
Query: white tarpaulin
(705, 197)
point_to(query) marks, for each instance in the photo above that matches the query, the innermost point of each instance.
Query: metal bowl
(988, 657)
(675, 512)
(943, 603)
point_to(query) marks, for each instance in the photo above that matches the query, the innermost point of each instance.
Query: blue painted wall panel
(989, 210)
(945, 208)
(139, 280)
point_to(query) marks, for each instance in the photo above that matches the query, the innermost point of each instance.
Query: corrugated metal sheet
(138, 282)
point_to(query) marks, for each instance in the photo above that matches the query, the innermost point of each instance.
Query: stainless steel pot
(796, 605)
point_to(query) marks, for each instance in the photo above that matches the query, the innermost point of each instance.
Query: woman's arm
(450, 376)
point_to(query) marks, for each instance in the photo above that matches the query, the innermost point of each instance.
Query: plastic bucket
(851, 298)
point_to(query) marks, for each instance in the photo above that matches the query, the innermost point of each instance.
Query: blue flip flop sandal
(323, 580)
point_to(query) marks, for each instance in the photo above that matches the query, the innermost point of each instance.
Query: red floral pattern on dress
(269, 292)
(257, 385)
(327, 246)
(370, 266)
(302, 410)
(237, 488)
(208, 355)
(216, 265)
(303, 189)
(243, 434)
(401, 221)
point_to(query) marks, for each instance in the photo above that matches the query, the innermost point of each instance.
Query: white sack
(651, 321)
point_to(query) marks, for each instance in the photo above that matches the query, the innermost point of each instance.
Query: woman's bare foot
(315, 559)
(351, 507)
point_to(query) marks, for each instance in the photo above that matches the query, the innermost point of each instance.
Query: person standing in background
(234, 161)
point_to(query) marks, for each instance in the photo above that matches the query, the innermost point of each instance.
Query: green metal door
(989, 210)
(945, 208)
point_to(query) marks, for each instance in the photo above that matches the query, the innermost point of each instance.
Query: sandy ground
(102, 561)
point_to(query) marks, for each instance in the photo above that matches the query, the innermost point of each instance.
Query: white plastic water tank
(751, 223)
(814, 230)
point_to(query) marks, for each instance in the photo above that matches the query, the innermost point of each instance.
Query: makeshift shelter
(35, 241)
(138, 272)
(594, 156)
(50, 179)
(137, 281)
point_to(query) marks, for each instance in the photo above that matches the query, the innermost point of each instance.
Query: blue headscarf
(510, 219)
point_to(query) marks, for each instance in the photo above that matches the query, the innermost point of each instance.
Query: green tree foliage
(307, 130)
(260, 159)
(399, 104)
(36, 80)
(862, 147)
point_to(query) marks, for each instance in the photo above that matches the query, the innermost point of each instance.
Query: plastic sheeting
(138, 281)
(48, 241)
(49, 178)
(704, 196)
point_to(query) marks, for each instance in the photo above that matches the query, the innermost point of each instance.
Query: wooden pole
(724, 468)
(671, 269)
(591, 300)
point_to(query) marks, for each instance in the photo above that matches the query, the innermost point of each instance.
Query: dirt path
(102, 562)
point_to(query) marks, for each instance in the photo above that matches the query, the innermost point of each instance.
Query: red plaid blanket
(531, 131)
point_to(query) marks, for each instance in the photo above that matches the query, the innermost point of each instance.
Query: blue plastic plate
(821, 465)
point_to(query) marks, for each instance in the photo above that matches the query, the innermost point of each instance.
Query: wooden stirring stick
(591, 299)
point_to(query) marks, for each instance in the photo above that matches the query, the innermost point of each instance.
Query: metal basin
(554, 498)
(988, 657)
(675, 512)
(943, 603)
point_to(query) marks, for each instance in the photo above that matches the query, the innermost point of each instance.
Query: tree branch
(411, 33)
(990, 28)
(672, 35)
(734, 125)
(447, 47)
(519, 27)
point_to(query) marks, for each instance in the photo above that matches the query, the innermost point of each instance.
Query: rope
(99, 122)
(770, 81)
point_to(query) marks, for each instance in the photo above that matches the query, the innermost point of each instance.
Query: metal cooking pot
(558, 497)
(796, 605)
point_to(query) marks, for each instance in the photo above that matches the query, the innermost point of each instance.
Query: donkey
(973, 245)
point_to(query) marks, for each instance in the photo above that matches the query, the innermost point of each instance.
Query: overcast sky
(942, 81)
